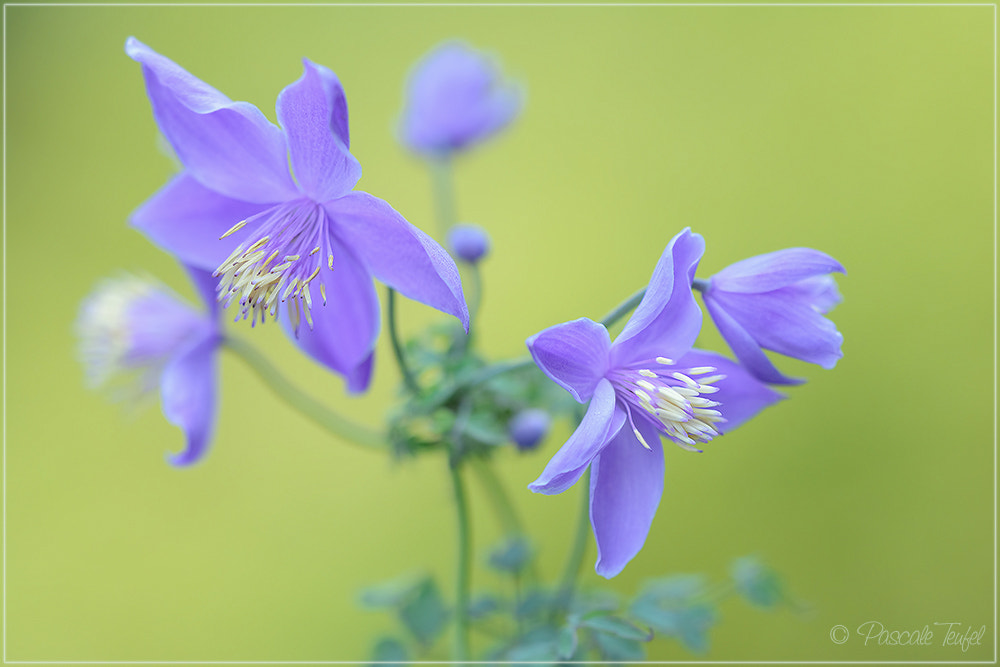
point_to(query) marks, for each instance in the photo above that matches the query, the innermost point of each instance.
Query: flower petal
(668, 319)
(573, 354)
(744, 346)
(205, 284)
(344, 331)
(740, 394)
(819, 291)
(399, 254)
(186, 219)
(188, 389)
(626, 484)
(781, 322)
(764, 273)
(313, 113)
(228, 146)
(599, 425)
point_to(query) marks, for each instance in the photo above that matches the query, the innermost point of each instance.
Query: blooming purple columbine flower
(136, 330)
(648, 383)
(271, 211)
(777, 302)
(456, 97)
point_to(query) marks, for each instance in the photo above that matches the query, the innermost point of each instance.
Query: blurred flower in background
(456, 97)
(136, 336)
(777, 302)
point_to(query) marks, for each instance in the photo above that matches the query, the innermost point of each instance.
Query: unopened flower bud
(528, 428)
(469, 243)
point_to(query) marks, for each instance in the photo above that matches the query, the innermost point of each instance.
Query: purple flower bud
(456, 96)
(528, 428)
(469, 243)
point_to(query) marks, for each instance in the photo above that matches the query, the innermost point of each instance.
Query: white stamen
(642, 441)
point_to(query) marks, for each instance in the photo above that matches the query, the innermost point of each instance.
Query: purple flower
(648, 383)
(270, 209)
(776, 302)
(456, 97)
(134, 330)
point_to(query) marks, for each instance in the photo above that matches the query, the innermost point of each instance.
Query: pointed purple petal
(744, 346)
(626, 484)
(573, 354)
(189, 389)
(774, 270)
(399, 254)
(313, 113)
(667, 320)
(345, 329)
(741, 394)
(186, 219)
(599, 425)
(228, 146)
(781, 322)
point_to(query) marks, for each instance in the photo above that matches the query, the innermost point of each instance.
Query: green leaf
(567, 642)
(391, 594)
(757, 583)
(511, 556)
(425, 615)
(483, 605)
(595, 600)
(688, 622)
(390, 650)
(613, 647)
(614, 625)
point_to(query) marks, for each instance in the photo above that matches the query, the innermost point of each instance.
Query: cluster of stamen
(279, 266)
(672, 399)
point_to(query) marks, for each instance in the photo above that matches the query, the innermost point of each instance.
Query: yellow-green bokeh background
(866, 132)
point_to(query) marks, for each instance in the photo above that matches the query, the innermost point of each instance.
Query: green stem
(575, 560)
(622, 309)
(304, 403)
(464, 562)
(444, 193)
(397, 347)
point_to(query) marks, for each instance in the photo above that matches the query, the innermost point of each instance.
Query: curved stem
(575, 559)
(464, 562)
(397, 347)
(298, 399)
(623, 308)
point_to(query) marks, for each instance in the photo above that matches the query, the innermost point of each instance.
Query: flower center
(671, 399)
(279, 265)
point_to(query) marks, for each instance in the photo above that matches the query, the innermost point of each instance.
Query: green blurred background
(866, 132)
